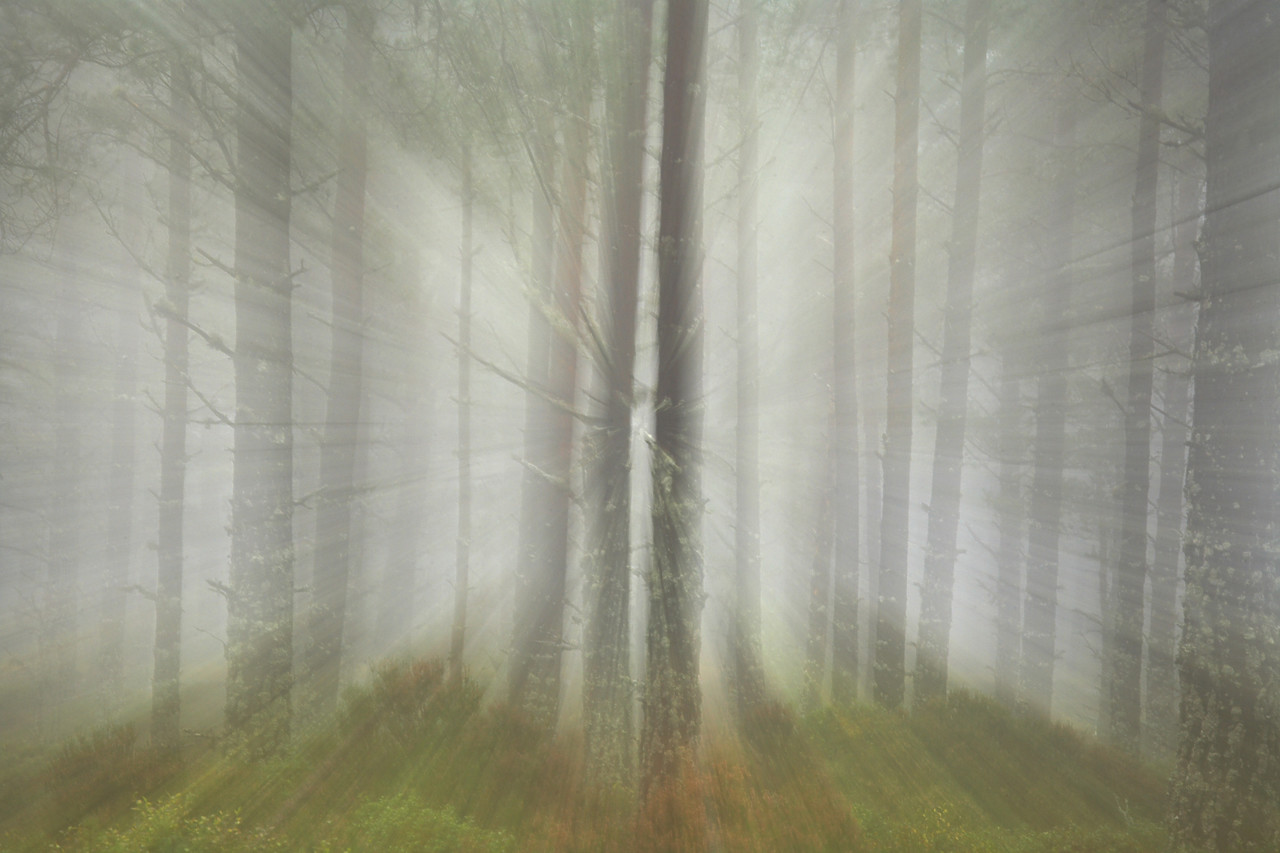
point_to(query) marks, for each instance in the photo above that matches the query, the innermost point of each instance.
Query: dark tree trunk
(1010, 522)
(1226, 785)
(1161, 731)
(1131, 569)
(844, 383)
(891, 612)
(948, 454)
(165, 703)
(328, 617)
(260, 596)
(607, 694)
(462, 553)
(1040, 607)
(673, 706)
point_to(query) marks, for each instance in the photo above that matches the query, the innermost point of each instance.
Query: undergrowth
(412, 762)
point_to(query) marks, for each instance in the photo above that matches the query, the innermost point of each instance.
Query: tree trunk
(462, 553)
(60, 608)
(1010, 522)
(260, 596)
(114, 600)
(1040, 607)
(748, 673)
(1161, 731)
(844, 383)
(1227, 781)
(607, 694)
(818, 641)
(673, 707)
(165, 702)
(948, 454)
(891, 613)
(538, 603)
(1131, 569)
(328, 616)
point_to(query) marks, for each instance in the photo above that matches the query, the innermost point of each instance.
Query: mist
(642, 366)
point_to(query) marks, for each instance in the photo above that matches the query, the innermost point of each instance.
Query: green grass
(414, 763)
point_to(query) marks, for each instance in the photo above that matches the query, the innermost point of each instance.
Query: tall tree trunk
(873, 500)
(113, 600)
(844, 382)
(817, 644)
(1010, 521)
(1227, 781)
(462, 552)
(537, 602)
(1040, 607)
(260, 596)
(891, 613)
(948, 454)
(1161, 730)
(165, 703)
(607, 696)
(59, 615)
(673, 706)
(1131, 569)
(748, 672)
(396, 594)
(342, 416)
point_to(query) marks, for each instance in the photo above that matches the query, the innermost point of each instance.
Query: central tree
(673, 712)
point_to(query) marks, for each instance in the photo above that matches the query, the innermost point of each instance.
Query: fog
(467, 115)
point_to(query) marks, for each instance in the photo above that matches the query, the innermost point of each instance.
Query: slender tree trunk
(1131, 570)
(1227, 781)
(748, 672)
(165, 703)
(342, 417)
(260, 596)
(948, 455)
(59, 622)
(673, 706)
(1010, 522)
(462, 560)
(1040, 607)
(397, 593)
(538, 603)
(891, 614)
(820, 595)
(844, 383)
(115, 581)
(1162, 673)
(607, 694)
(873, 500)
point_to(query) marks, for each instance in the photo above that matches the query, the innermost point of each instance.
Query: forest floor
(415, 765)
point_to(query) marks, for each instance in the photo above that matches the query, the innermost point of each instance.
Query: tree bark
(165, 701)
(462, 551)
(1131, 569)
(607, 694)
(1161, 731)
(948, 454)
(891, 613)
(1040, 605)
(844, 383)
(673, 707)
(1010, 522)
(260, 595)
(328, 617)
(1227, 781)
